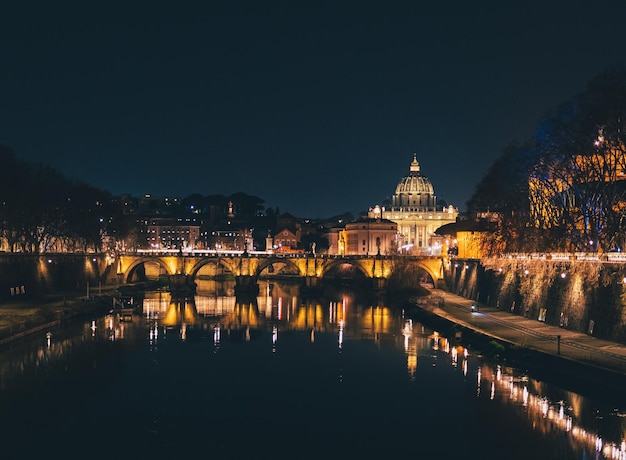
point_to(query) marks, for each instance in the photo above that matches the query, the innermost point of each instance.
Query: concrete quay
(560, 351)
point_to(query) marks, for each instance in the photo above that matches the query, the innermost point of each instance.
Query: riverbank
(32, 314)
(584, 362)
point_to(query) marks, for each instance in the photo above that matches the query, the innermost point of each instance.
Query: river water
(283, 376)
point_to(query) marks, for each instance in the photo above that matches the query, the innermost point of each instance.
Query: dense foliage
(566, 188)
(41, 210)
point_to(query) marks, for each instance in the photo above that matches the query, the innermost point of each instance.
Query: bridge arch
(335, 265)
(254, 265)
(267, 263)
(434, 269)
(412, 272)
(134, 266)
(227, 264)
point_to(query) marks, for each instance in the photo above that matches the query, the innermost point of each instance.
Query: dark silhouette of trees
(503, 192)
(246, 205)
(582, 165)
(321, 243)
(122, 229)
(565, 189)
(88, 211)
(194, 203)
(42, 210)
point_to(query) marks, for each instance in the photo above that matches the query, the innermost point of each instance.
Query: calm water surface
(281, 376)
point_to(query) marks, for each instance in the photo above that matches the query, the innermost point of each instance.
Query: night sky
(316, 107)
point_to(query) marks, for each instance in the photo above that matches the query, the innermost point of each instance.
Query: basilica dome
(414, 191)
(413, 208)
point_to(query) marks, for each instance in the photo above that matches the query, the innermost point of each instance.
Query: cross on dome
(415, 166)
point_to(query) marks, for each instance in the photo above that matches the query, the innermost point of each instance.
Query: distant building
(291, 223)
(414, 209)
(364, 237)
(223, 240)
(371, 237)
(466, 238)
(285, 241)
(336, 242)
(169, 233)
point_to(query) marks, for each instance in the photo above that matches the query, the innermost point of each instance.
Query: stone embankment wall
(23, 275)
(586, 296)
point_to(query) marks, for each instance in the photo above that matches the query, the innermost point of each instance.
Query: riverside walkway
(553, 341)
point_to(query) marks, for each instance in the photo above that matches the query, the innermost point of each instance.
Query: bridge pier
(312, 285)
(312, 282)
(379, 283)
(182, 284)
(246, 284)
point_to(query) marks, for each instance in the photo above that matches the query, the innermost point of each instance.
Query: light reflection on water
(441, 378)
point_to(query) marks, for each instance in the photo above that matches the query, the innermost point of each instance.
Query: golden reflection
(376, 320)
(284, 310)
(153, 335)
(244, 315)
(274, 338)
(545, 416)
(344, 317)
(341, 326)
(309, 316)
(410, 348)
(180, 311)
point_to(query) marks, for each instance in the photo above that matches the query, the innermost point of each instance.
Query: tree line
(565, 188)
(41, 210)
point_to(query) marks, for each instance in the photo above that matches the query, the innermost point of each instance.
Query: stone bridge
(183, 267)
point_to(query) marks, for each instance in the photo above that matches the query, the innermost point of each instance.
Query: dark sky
(317, 107)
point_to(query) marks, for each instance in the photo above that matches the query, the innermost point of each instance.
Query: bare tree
(578, 185)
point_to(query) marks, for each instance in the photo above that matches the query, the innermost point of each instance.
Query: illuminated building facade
(555, 191)
(170, 233)
(583, 194)
(370, 237)
(414, 209)
(285, 241)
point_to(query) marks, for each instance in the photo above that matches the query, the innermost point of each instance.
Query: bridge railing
(613, 257)
(240, 253)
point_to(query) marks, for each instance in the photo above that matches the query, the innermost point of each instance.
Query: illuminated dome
(414, 191)
(414, 209)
